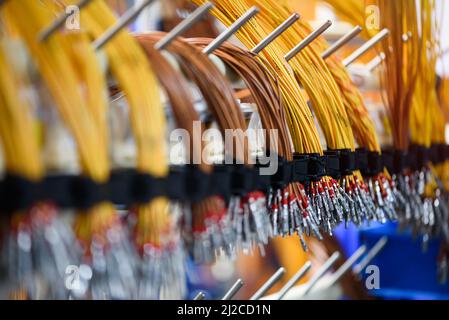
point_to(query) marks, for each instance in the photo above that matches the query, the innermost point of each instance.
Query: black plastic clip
(340, 163)
(395, 160)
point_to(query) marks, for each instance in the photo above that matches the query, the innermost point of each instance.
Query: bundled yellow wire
(129, 66)
(354, 11)
(17, 127)
(313, 73)
(401, 66)
(427, 118)
(425, 96)
(308, 66)
(409, 80)
(18, 140)
(358, 12)
(361, 122)
(310, 70)
(300, 119)
(84, 114)
(425, 115)
(443, 96)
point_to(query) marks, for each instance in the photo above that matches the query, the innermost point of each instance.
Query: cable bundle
(329, 198)
(331, 109)
(20, 145)
(411, 66)
(290, 212)
(427, 128)
(417, 117)
(99, 229)
(204, 222)
(157, 240)
(60, 55)
(377, 182)
(244, 223)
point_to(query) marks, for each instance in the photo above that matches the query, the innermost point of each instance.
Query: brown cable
(214, 87)
(263, 87)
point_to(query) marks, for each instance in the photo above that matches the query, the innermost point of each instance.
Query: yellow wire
(17, 126)
(68, 66)
(129, 66)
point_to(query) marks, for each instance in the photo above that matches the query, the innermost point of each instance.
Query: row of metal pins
(127, 18)
(134, 12)
(335, 277)
(426, 216)
(344, 269)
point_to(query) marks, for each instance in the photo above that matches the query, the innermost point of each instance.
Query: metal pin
(405, 37)
(341, 42)
(347, 265)
(234, 289)
(185, 25)
(269, 284)
(276, 33)
(364, 48)
(371, 255)
(124, 20)
(233, 28)
(304, 43)
(200, 296)
(59, 21)
(321, 272)
(377, 61)
(300, 274)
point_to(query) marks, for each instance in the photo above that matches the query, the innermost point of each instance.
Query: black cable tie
(300, 168)
(395, 160)
(316, 167)
(361, 160)
(122, 184)
(221, 181)
(197, 184)
(17, 193)
(418, 157)
(375, 164)
(340, 163)
(284, 174)
(242, 180)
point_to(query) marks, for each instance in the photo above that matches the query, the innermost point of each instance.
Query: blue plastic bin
(406, 272)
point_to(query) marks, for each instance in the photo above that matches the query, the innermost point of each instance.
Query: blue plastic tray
(406, 272)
